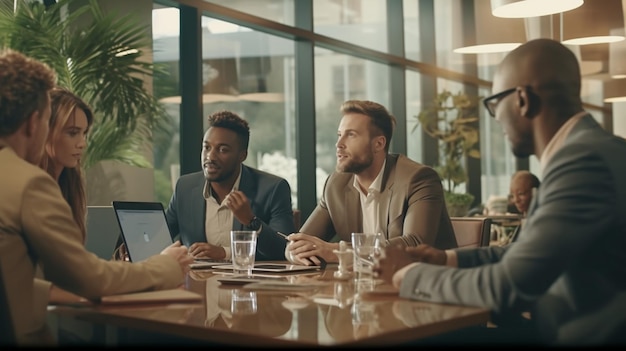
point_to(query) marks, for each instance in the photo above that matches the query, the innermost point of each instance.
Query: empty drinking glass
(243, 246)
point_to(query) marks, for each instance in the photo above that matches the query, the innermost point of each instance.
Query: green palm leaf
(102, 61)
(112, 142)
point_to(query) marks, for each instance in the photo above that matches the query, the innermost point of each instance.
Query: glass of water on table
(243, 247)
(365, 247)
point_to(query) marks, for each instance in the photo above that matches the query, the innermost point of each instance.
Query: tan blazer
(36, 226)
(412, 207)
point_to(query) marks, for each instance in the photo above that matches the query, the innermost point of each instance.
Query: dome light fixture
(617, 57)
(487, 48)
(493, 34)
(593, 23)
(531, 8)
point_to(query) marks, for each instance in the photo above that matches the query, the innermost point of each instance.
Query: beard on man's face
(355, 166)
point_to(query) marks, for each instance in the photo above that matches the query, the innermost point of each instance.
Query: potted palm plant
(99, 59)
(451, 119)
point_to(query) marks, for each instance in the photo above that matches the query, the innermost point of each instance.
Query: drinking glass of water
(365, 246)
(243, 302)
(243, 247)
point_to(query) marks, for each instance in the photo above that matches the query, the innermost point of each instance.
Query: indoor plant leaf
(101, 61)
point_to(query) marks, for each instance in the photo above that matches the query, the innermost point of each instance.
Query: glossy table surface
(317, 310)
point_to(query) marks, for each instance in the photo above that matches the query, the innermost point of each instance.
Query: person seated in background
(228, 195)
(70, 121)
(36, 222)
(523, 185)
(569, 261)
(373, 190)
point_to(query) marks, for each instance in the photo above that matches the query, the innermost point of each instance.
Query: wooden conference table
(318, 311)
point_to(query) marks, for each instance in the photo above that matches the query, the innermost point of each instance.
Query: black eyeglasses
(492, 101)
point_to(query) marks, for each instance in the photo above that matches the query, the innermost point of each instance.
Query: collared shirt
(218, 219)
(369, 202)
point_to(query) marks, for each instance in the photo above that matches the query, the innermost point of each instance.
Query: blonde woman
(70, 121)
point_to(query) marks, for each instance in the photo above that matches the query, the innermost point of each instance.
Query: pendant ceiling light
(531, 8)
(592, 23)
(617, 58)
(494, 34)
(617, 51)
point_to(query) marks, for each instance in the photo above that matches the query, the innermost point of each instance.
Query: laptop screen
(144, 228)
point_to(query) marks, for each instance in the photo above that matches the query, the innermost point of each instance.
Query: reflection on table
(331, 312)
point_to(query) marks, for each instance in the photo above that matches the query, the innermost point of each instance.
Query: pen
(322, 261)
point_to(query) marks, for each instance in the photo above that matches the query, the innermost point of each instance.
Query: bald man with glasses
(568, 266)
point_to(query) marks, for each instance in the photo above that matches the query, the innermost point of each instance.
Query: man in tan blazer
(373, 191)
(36, 223)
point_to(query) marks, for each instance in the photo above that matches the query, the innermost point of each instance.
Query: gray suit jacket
(37, 227)
(270, 199)
(570, 257)
(412, 207)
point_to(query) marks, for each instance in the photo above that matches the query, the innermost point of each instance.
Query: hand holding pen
(303, 250)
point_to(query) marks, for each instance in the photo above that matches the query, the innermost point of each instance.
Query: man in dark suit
(228, 195)
(569, 261)
(373, 191)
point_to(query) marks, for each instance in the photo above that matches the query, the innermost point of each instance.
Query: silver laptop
(144, 228)
(145, 233)
(102, 231)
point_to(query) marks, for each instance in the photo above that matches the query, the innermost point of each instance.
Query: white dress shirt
(218, 220)
(370, 203)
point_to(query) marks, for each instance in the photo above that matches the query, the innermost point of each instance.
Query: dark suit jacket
(270, 198)
(412, 207)
(570, 256)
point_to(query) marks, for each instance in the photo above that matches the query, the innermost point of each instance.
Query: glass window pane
(455, 88)
(252, 74)
(275, 10)
(411, 30)
(497, 159)
(166, 147)
(413, 107)
(339, 78)
(448, 34)
(360, 22)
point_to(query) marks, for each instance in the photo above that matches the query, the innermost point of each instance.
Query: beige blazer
(36, 226)
(412, 207)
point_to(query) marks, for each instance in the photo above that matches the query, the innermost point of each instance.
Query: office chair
(471, 231)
